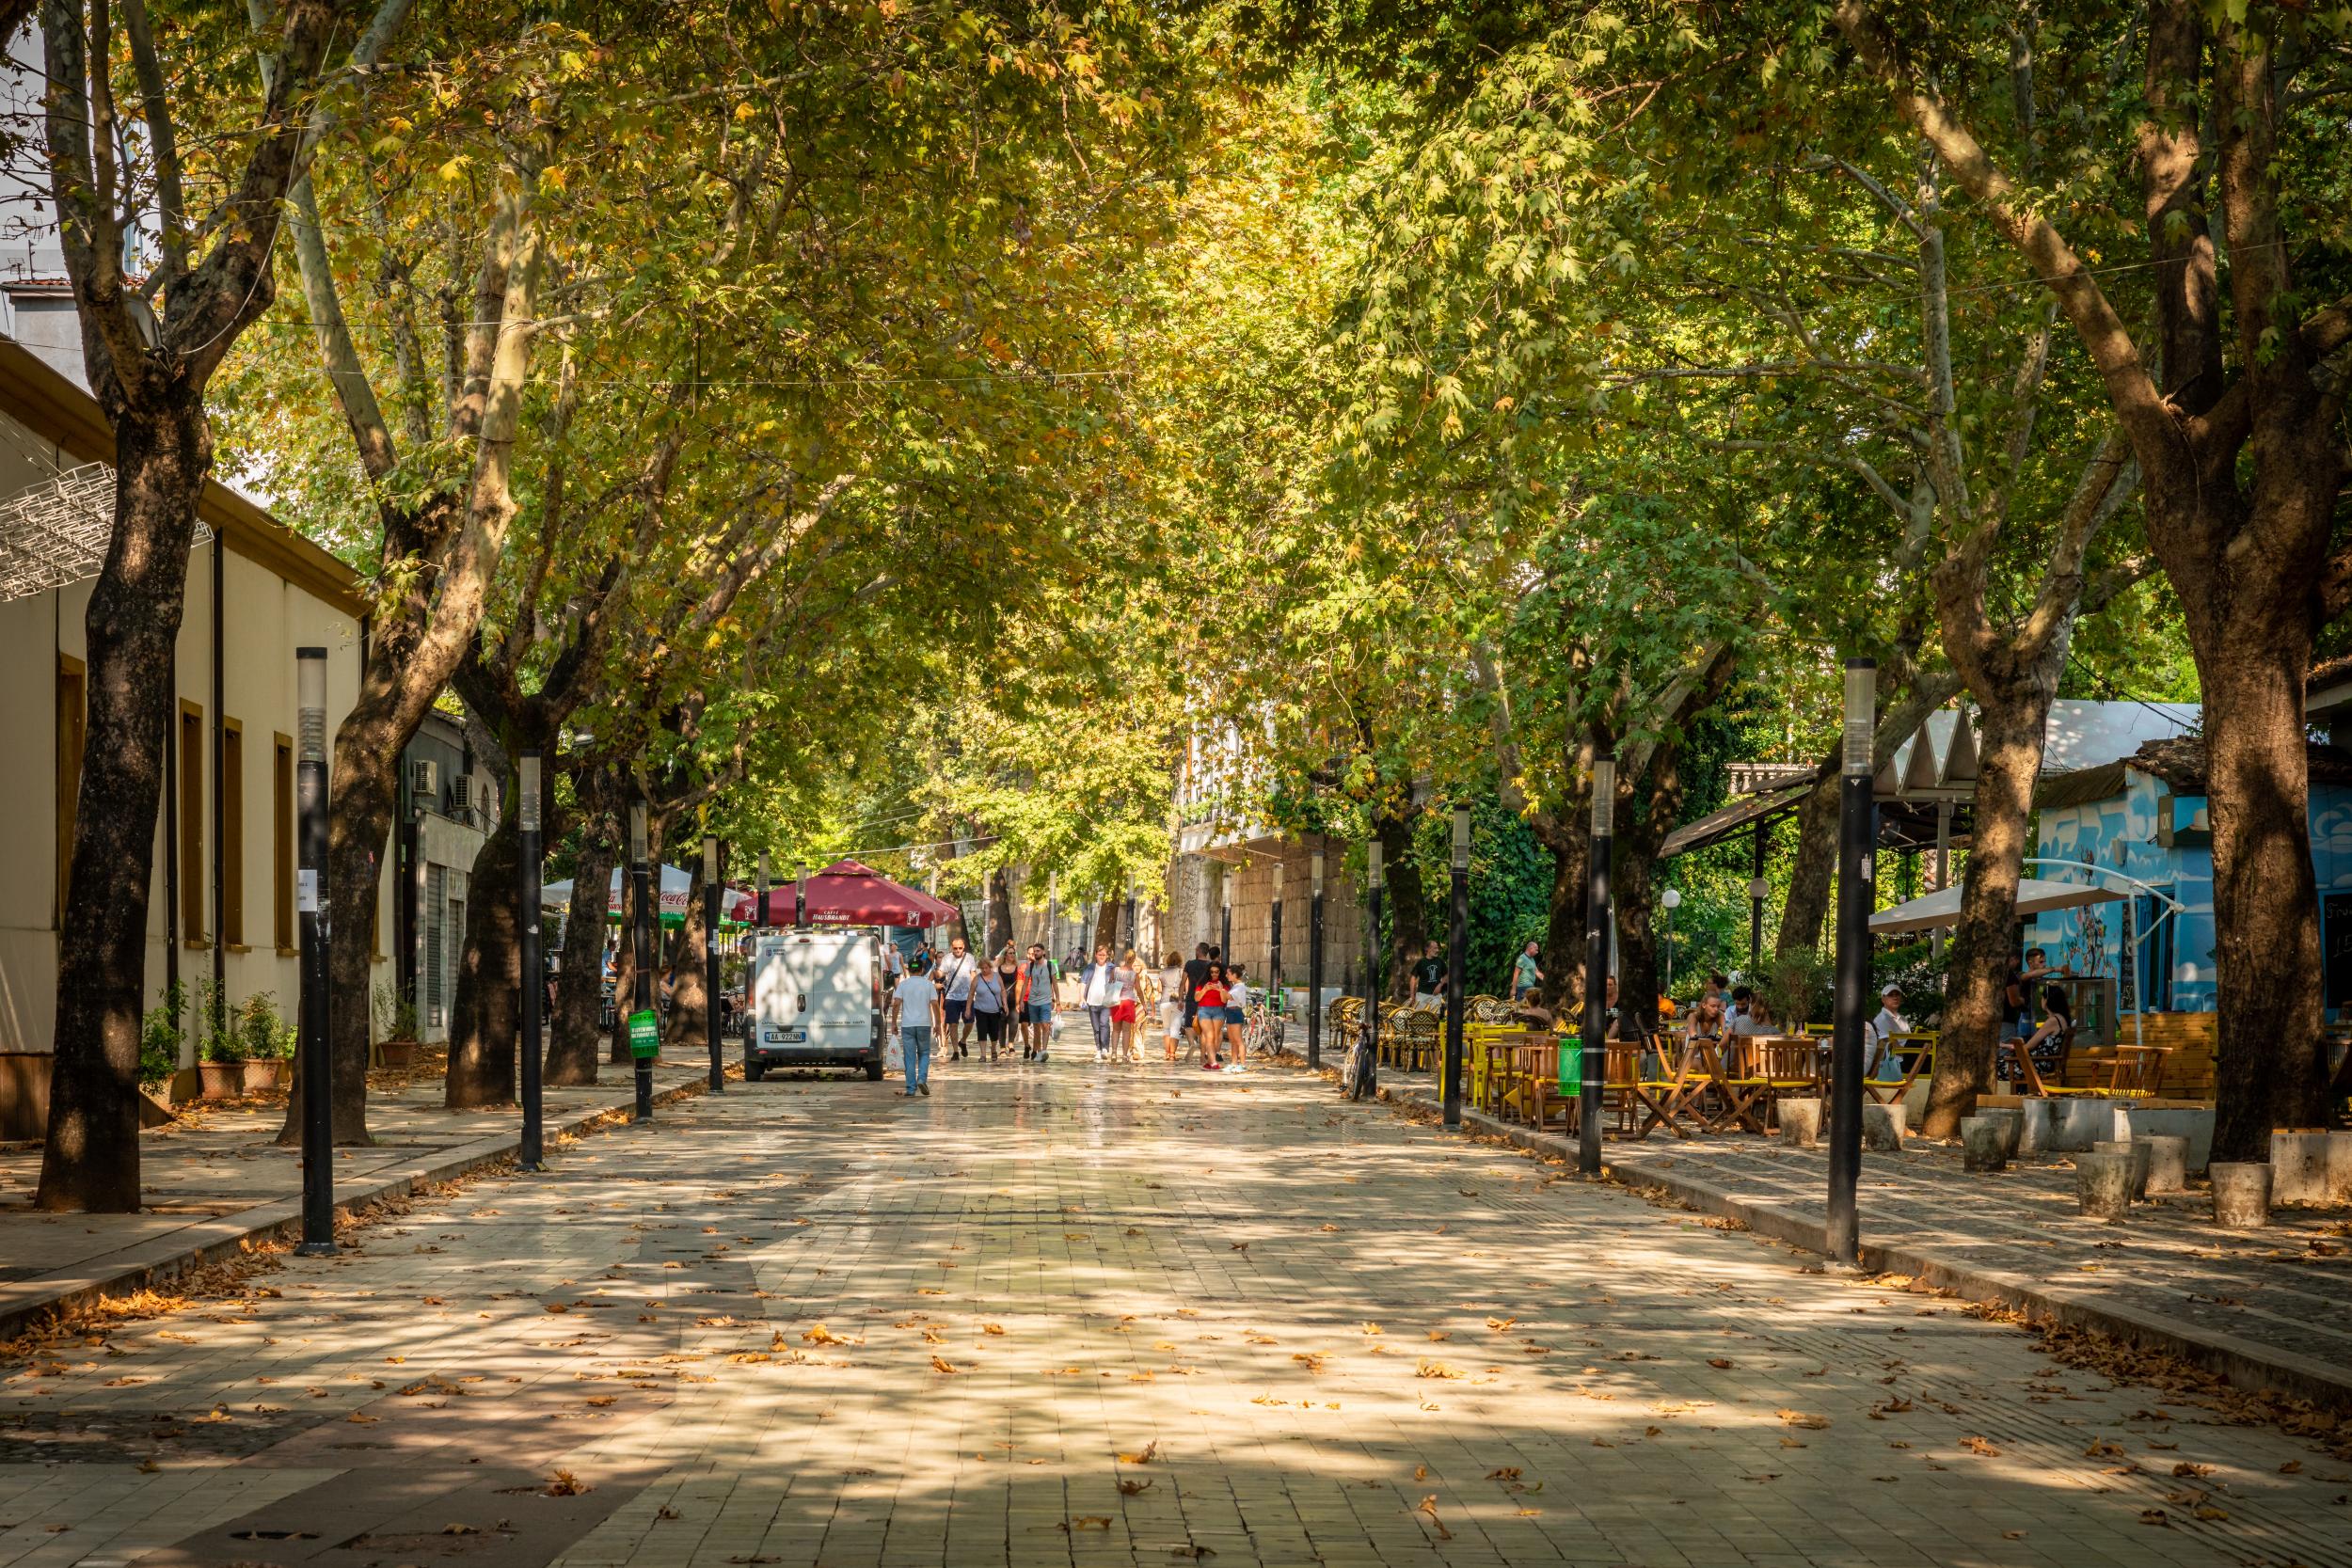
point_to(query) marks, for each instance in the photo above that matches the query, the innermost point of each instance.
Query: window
(281, 841)
(191, 823)
(232, 832)
(72, 718)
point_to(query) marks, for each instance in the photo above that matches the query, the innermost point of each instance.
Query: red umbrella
(849, 893)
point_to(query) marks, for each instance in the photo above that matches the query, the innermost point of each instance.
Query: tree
(150, 348)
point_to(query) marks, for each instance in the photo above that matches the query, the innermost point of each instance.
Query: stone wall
(1197, 885)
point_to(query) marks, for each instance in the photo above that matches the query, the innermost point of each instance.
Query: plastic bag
(894, 1056)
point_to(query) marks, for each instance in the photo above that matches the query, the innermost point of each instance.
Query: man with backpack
(1036, 1000)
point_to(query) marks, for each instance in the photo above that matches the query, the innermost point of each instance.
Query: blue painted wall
(2120, 834)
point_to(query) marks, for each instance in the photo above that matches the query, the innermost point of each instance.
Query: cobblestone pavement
(1093, 1315)
(219, 1161)
(2286, 1288)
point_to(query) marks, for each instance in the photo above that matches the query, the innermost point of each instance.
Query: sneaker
(1238, 1066)
(1210, 1067)
(1101, 1057)
(926, 1092)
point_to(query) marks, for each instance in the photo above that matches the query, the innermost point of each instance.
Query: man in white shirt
(957, 971)
(1101, 993)
(1884, 1065)
(916, 1008)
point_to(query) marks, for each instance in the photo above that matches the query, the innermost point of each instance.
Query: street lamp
(1274, 938)
(710, 959)
(1456, 961)
(1593, 1048)
(1314, 959)
(1857, 836)
(644, 1026)
(1225, 915)
(1672, 900)
(760, 913)
(530, 1152)
(318, 1068)
(1367, 1037)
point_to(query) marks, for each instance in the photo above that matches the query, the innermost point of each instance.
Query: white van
(816, 1000)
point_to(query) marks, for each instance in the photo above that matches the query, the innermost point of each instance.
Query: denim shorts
(1038, 1012)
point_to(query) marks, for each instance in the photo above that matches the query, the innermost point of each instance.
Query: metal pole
(1225, 915)
(759, 910)
(1672, 900)
(1368, 1038)
(799, 894)
(1592, 1045)
(1274, 935)
(1314, 961)
(1457, 959)
(530, 1152)
(641, 880)
(1857, 835)
(1757, 889)
(318, 1070)
(710, 959)
(1943, 871)
(1135, 932)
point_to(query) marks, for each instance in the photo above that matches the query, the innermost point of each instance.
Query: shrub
(161, 1035)
(395, 1013)
(1796, 984)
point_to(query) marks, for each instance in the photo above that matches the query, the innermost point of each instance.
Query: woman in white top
(1236, 1020)
(1172, 1002)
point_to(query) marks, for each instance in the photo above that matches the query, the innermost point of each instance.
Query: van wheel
(755, 1072)
(873, 1072)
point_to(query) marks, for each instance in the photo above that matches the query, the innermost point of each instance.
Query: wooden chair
(2138, 1070)
(1549, 1067)
(2029, 1079)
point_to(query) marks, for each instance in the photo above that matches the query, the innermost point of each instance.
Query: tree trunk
(485, 1020)
(2270, 1067)
(580, 979)
(999, 911)
(1806, 906)
(1106, 925)
(91, 1158)
(1563, 989)
(689, 998)
(624, 966)
(1407, 909)
(2011, 727)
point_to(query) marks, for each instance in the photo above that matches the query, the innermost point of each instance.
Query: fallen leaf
(1980, 1447)
(1429, 1506)
(1143, 1458)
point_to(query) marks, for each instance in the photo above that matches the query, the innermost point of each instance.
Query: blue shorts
(957, 1010)
(1038, 1012)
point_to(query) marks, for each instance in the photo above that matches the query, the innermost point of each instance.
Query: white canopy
(1942, 907)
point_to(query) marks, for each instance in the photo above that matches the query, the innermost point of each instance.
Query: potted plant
(161, 1035)
(246, 1049)
(395, 1026)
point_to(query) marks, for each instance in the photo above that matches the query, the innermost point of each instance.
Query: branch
(155, 110)
(2104, 483)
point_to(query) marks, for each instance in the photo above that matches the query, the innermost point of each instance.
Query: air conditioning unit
(424, 785)
(461, 797)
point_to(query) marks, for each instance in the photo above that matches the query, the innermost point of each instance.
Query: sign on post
(644, 1035)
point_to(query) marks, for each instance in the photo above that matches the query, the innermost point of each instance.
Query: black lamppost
(1135, 932)
(1225, 915)
(1367, 1037)
(1857, 836)
(645, 1029)
(318, 1071)
(1593, 1048)
(1456, 961)
(799, 894)
(1274, 936)
(530, 1152)
(1314, 959)
(759, 910)
(710, 959)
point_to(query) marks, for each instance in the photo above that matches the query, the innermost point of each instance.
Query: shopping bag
(894, 1056)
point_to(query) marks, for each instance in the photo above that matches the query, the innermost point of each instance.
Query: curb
(2242, 1363)
(135, 1267)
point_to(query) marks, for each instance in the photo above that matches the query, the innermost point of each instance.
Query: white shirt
(1100, 985)
(914, 995)
(1172, 984)
(956, 974)
(1237, 995)
(1888, 1022)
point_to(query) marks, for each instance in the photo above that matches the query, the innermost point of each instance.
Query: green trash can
(1571, 1065)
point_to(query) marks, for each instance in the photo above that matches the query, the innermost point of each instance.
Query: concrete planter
(2241, 1195)
(2192, 1123)
(1984, 1145)
(2011, 1127)
(1883, 1128)
(2138, 1156)
(2036, 1125)
(400, 1055)
(2168, 1162)
(1800, 1122)
(236, 1080)
(2082, 1120)
(2103, 1183)
(2298, 1166)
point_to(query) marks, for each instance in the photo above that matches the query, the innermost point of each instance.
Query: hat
(1890, 991)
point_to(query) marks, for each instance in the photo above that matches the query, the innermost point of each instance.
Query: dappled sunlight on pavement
(1082, 1314)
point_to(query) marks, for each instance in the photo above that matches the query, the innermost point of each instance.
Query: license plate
(787, 1037)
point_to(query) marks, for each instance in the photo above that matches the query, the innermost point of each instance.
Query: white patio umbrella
(2034, 894)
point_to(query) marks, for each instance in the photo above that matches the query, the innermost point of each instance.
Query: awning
(848, 892)
(1717, 826)
(2035, 895)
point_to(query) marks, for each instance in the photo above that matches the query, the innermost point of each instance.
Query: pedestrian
(915, 1007)
(1126, 1001)
(1429, 979)
(1525, 976)
(956, 974)
(1008, 979)
(1236, 1020)
(1036, 998)
(1209, 1015)
(1175, 992)
(1196, 976)
(1098, 990)
(1881, 1062)
(987, 1010)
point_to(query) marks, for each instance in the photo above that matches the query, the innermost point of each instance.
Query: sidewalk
(217, 1180)
(2264, 1309)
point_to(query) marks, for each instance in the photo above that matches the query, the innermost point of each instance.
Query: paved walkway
(1086, 1315)
(2275, 1304)
(218, 1175)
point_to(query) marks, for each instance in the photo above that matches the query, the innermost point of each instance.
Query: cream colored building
(222, 905)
